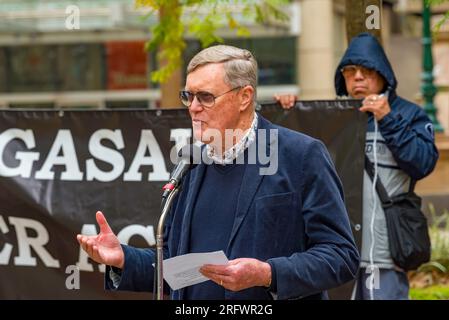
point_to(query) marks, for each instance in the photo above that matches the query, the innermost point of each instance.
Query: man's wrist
(268, 276)
(269, 283)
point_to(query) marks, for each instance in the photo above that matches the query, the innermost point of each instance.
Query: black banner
(57, 168)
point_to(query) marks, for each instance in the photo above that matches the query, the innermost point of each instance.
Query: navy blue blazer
(295, 219)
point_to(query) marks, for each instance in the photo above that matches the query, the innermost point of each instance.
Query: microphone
(188, 157)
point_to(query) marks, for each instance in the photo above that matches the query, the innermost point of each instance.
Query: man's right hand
(287, 101)
(104, 247)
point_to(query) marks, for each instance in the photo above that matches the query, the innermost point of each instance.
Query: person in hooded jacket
(404, 151)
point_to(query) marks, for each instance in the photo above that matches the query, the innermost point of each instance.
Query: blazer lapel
(251, 181)
(192, 194)
(197, 177)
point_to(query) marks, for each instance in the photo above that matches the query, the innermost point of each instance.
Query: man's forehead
(207, 76)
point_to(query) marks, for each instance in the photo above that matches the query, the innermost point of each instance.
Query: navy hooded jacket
(407, 130)
(403, 147)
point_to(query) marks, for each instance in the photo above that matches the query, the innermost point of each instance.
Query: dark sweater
(213, 218)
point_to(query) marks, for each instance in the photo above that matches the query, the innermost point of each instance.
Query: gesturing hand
(104, 247)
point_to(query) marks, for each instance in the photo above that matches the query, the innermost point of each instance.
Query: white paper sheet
(183, 271)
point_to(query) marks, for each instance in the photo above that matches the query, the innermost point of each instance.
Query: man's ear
(246, 97)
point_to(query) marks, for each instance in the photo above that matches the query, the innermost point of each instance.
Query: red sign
(126, 65)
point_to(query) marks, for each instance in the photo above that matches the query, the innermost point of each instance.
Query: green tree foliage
(201, 19)
(446, 15)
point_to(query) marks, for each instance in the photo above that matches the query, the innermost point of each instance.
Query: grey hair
(240, 66)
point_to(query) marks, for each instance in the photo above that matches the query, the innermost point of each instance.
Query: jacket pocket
(276, 220)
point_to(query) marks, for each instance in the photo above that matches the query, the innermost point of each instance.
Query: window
(49, 68)
(276, 67)
(42, 105)
(80, 67)
(140, 104)
(31, 68)
(3, 83)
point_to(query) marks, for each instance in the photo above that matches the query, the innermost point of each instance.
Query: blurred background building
(103, 64)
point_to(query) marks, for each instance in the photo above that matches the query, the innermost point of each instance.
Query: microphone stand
(158, 274)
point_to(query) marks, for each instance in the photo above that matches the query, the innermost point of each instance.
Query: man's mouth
(197, 124)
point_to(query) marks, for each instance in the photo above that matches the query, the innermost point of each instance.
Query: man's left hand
(377, 105)
(239, 274)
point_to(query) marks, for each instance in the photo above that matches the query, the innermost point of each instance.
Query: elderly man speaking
(286, 233)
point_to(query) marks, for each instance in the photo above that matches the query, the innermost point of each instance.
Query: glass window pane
(32, 68)
(276, 67)
(139, 104)
(3, 68)
(41, 105)
(81, 67)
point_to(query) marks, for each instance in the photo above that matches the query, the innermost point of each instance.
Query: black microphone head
(188, 157)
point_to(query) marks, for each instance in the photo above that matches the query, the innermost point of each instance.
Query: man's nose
(359, 75)
(196, 106)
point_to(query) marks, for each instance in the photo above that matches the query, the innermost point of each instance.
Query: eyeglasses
(206, 99)
(351, 70)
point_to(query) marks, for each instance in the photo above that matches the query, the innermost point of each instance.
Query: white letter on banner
(100, 152)
(25, 243)
(83, 262)
(26, 159)
(156, 159)
(136, 229)
(63, 142)
(5, 253)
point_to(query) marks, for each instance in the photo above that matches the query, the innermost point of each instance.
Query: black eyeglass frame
(187, 97)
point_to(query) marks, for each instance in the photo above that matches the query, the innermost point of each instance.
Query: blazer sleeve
(138, 271)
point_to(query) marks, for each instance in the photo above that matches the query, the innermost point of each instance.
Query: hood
(366, 51)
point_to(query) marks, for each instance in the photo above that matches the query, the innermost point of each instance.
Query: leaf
(231, 21)
(442, 21)
(243, 32)
(274, 11)
(146, 3)
(435, 2)
(259, 14)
